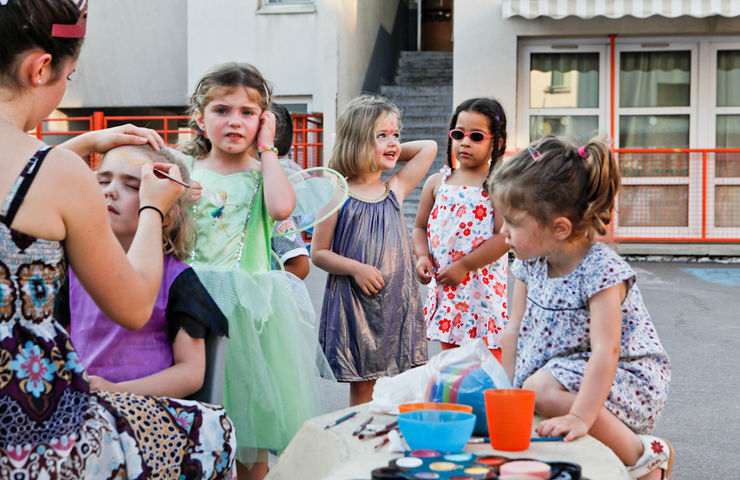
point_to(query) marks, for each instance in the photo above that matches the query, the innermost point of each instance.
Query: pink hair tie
(582, 152)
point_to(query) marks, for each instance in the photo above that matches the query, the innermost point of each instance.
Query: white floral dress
(554, 335)
(461, 220)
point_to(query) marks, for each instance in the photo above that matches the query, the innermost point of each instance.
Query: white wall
(135, 54)
(358, 23)
(141, 53)
(286, 48)
(485, 49)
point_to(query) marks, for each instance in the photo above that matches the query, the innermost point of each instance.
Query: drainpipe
(418, 25)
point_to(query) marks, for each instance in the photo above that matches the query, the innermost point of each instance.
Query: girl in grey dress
(579, 334)
(371, 320)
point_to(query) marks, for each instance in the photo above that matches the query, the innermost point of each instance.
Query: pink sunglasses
(476, 137)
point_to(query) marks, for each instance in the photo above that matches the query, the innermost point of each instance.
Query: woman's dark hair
(26, 25)
(496, 124)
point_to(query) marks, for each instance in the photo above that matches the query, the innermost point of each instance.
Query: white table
(334, 454)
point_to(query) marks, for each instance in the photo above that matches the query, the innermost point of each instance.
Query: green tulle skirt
(273, 359)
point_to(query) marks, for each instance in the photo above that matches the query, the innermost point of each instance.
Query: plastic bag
(458, 375)
(463, 375)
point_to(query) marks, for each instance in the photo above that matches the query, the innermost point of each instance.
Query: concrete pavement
(696, 310)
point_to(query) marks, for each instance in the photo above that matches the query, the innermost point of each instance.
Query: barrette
(536, 155)
(267, 93)
(76, 30)
(582, 152)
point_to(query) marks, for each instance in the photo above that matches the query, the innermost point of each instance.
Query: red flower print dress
(462, 219)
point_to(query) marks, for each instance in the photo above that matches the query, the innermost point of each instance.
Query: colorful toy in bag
(464, 383)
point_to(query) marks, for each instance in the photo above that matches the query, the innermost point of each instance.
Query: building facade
(660, 79)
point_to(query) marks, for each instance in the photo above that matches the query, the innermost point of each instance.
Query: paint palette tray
(433, 465)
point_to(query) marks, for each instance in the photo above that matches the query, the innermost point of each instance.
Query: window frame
(267, 7)
(712, 48)
(524, 111)
(694, 178)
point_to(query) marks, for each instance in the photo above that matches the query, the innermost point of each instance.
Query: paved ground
(696, 309)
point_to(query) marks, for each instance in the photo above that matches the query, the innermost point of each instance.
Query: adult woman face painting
(53, 213)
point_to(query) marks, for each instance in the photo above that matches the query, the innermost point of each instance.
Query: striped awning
(620, 8)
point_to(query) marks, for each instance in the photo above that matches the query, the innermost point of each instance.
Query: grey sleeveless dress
(363, 336)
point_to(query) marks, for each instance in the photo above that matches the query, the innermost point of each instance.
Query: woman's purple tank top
(110, 351)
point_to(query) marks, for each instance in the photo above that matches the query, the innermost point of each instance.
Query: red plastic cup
(509, 413)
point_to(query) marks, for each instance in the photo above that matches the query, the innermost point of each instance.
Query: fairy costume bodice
(220, 216)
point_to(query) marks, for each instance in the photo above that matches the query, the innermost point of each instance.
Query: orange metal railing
(308, 129)
(678, 195)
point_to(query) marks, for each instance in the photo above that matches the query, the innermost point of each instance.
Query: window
(286, 6)
(724, 188)
(669, 93)
(565, 86)
(655, 109)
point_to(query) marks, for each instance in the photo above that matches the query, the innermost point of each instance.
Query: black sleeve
(61, 304)
(191, 307)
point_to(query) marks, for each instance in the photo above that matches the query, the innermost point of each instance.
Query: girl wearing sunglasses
(458, 255)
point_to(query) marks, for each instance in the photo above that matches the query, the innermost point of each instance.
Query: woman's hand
(160, 193)
(453, 274)
(100, 141)
(266, 134)
(424, 270)
(569, 426)
(369, 279)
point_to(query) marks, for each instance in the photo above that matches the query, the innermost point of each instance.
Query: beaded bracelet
(153, 208)
(265, 148)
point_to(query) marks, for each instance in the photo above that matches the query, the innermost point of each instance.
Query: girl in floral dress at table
(580, 335)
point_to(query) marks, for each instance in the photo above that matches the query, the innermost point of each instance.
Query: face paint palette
(433, 465)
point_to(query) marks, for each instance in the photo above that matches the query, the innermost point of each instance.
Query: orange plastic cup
(509, 413)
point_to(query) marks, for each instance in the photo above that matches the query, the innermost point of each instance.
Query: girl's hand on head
(159, 192)
(424, 270)
(266, 134)
(196, 191)
(569, 426)
(100, 384)
(369, 279)
(453, 274)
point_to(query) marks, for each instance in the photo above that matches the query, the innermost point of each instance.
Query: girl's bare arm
(424, 267)
(279, 193)
(418, 156)
(486, 253)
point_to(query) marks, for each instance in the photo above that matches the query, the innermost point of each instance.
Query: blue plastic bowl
(442, 430)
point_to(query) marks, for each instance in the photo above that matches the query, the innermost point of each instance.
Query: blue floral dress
(51, 425)
(461, 219)
(554, 335)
